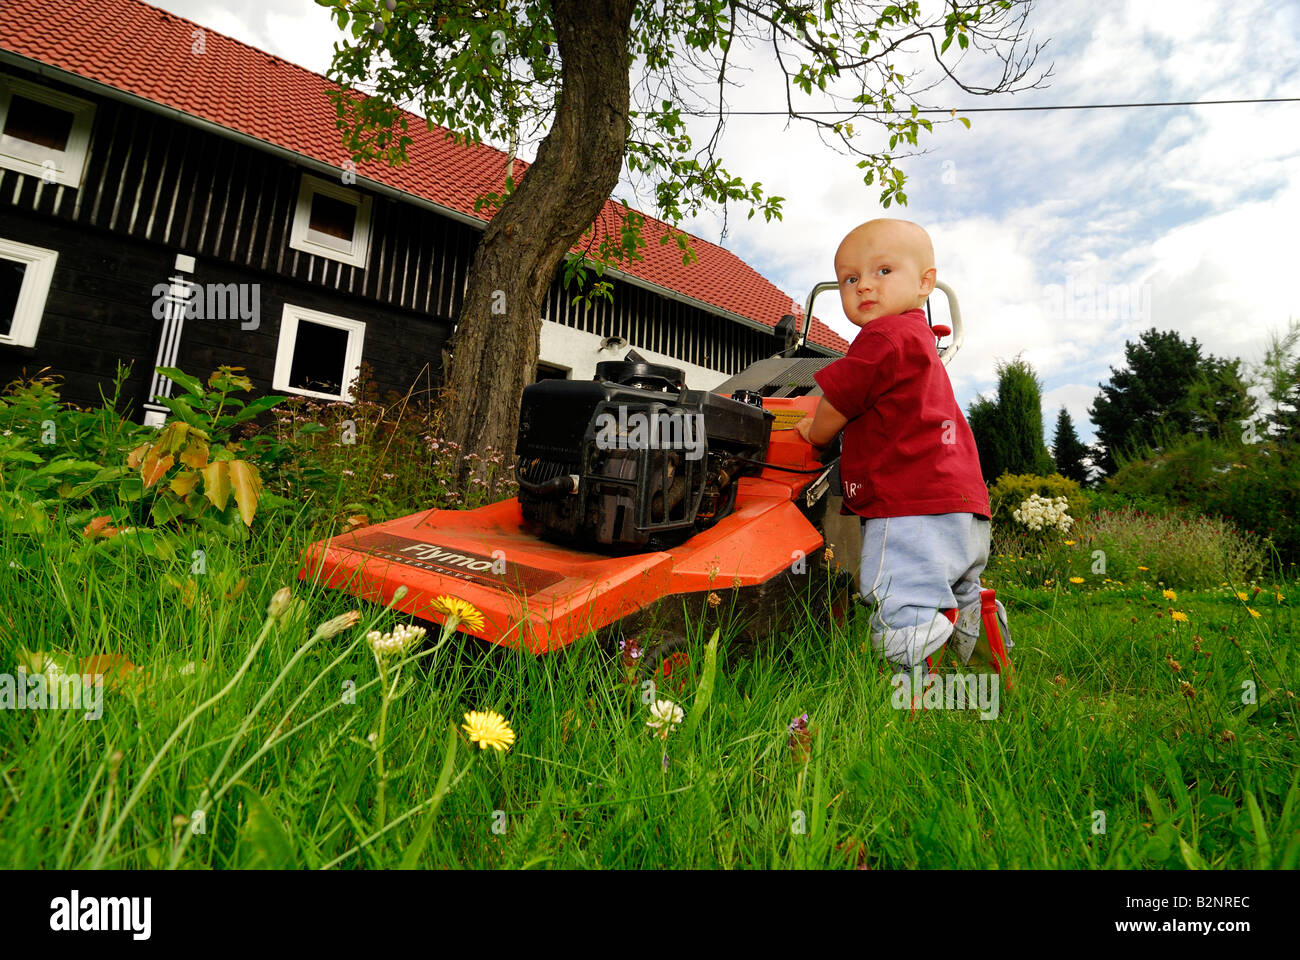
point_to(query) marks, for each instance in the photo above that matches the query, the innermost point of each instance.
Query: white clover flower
(664, 716)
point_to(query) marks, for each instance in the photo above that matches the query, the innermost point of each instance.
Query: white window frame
(353, 252)
(66, 166)
(31, 297)
(289, 337)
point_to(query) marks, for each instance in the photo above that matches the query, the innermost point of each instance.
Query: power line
(1064, 106)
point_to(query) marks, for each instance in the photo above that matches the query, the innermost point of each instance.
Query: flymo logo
(449, 558)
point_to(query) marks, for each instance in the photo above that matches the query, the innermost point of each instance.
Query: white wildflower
(386, 644)
(664, 716)
(1038, 513)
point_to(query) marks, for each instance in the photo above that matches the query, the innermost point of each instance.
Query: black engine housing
(633, 458)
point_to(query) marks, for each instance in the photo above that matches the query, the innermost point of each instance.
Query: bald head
(884, 267)
(904, 236)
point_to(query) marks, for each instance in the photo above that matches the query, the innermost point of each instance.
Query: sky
(1064, 233)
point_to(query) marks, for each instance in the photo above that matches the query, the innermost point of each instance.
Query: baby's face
(884, 267)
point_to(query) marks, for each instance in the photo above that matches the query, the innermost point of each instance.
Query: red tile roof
(142, 50)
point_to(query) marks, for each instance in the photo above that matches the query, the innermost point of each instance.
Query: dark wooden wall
(156, 187)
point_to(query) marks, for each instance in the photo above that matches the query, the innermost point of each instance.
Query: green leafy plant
(1011, 490)
(194, 463)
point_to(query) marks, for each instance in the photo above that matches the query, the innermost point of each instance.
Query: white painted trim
(352, 252)
(289, 337)
(31, 296)
(66, 166)
(578, 352)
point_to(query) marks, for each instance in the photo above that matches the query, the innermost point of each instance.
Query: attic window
(44, 133)
(331, 221)
(335, 218)
(319, 354)
(39, 124)
(25, 276)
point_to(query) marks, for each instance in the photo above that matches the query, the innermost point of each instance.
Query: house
(173, 197)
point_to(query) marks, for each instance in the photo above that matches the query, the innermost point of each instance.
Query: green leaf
(165, 509)
(271, 847)
(22, 456)
(191, 384)
(132, 488)
(411, 858)
(182, 409)
(1263, 848)
(260, 405)
(704, 692)
(57, 467)
(1190, 856)
(22, 517)
(965, 122)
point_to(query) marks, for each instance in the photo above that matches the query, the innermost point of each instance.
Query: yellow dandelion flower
(1144, 568)
(1252, 612)
(1241, 595)
(458, 611)
(488, 729)
(1169, 595)
(1070, 543)
(1178, 616)
(1076, 579)
(1279, 597)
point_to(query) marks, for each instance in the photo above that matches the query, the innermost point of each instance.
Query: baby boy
(908, 463)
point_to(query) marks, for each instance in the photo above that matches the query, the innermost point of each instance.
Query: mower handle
(945, 355)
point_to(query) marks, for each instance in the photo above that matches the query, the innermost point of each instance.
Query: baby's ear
(928, 280)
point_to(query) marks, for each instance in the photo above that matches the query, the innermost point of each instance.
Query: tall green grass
(1130, 740)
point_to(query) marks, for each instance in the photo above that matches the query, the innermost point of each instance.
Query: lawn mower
(643, 506)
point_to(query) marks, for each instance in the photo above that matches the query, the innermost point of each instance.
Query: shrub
(369, 460)
(1011, 490)
(1253, 485)
(1179, 551)
(52, 453)
(1128, 546)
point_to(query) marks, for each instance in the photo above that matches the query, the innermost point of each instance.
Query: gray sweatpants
(915, 567)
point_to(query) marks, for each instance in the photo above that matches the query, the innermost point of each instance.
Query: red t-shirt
(907, 450)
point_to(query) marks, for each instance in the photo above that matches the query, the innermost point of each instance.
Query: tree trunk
(498, 332)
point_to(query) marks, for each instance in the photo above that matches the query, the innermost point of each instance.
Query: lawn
(230, 738)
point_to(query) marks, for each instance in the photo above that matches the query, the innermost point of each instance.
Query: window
(44, 133)
(331, 221)
(547, 371)
(319, 354)
(25, 275)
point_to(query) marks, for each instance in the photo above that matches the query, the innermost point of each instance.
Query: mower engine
(633, 457)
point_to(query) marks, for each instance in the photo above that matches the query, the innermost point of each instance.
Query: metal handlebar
(945, 355)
